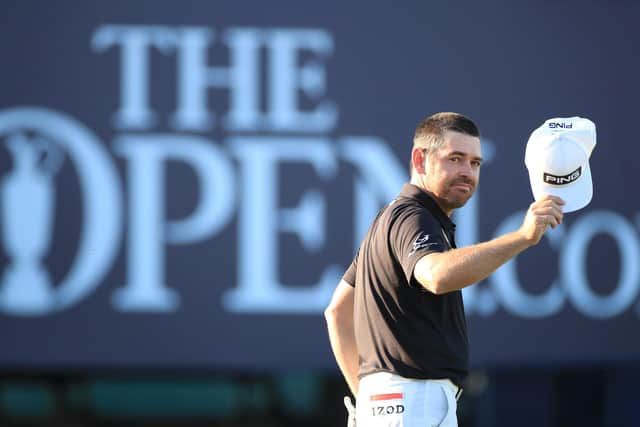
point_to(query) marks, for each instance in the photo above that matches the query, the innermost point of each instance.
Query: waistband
(457, 391)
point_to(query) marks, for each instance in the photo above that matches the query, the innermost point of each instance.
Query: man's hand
(351, 417)
(541, 214)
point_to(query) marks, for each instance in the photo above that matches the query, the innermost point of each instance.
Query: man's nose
(466, 169)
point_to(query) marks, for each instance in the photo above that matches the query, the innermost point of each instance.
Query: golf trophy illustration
(27, 196)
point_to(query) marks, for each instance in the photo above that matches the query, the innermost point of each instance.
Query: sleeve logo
(421, 242)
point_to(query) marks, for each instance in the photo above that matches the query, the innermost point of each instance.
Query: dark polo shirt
(400, 326)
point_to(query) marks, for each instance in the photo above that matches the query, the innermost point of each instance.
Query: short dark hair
(430, 132)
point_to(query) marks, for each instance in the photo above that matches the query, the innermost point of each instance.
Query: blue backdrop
(182, 184)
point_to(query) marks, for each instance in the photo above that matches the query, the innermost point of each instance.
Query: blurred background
(182, 185)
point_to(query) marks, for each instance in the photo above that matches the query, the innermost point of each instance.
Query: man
(396, 319)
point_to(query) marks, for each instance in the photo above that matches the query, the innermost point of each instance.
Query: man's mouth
(463, 185)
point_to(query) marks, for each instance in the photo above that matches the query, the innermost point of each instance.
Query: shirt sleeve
(350, 275)
(414, 236)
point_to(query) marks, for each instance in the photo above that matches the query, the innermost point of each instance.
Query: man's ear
(418, 159)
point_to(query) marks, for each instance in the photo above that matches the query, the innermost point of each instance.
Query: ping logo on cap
(562, 180)
(560, 125)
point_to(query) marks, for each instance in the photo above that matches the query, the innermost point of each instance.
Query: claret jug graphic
(27, 195)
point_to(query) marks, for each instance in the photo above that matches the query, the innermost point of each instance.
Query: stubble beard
(456, 201)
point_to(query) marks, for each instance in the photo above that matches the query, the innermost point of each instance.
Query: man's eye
(454, 159)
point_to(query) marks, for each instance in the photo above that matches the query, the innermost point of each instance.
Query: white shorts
(389, 400)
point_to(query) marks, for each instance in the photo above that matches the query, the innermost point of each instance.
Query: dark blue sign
(184, 187)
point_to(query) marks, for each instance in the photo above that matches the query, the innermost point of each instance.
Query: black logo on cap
(562, 180)
(560, 125)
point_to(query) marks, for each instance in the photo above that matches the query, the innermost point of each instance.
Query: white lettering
(134, 112)
(286, 80)
(259, 286)
(573, 264)
(147, 155)
(507, 285)
(380, 178)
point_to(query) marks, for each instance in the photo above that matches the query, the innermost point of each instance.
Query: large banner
(183, 185)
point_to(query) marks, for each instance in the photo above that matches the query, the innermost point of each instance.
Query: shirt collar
(413, 192)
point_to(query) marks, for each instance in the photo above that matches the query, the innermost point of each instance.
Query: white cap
(557, 157)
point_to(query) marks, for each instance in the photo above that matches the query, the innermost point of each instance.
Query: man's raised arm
(452, 270)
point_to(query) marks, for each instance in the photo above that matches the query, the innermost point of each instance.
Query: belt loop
(458, 393)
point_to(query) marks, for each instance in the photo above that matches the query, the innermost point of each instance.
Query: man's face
(452, 172)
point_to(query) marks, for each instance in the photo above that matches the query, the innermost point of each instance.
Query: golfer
(396, 320)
